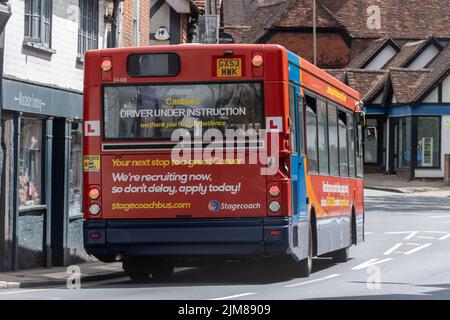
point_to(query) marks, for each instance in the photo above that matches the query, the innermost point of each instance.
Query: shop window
(75, 171)
(30, 163)
(428, 141)
(404, 143)
(311, 134)
(322, 126)
(370, 142)
(333, 137)
(38, 21)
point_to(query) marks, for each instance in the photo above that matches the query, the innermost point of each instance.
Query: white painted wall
(59, 69)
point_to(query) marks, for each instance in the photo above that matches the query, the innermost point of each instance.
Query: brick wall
(332, 50)
(126, 32)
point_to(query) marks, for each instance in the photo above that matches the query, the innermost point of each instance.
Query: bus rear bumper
(184, 238)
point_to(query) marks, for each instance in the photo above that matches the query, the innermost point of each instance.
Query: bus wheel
(136, 270)
(341, 255)
(305, 265)
(162, 273)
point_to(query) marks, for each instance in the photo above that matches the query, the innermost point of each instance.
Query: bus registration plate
(229, 67)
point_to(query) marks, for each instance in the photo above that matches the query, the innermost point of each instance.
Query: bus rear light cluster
(274, 191)
(94, 194)
(94, 209)
(95, 235)
(274, 206)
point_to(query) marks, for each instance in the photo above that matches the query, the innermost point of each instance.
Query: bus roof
(310, 76)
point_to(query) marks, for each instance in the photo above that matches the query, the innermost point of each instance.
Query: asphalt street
(405, 256)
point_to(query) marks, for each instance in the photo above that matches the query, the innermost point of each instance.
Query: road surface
(406, 256)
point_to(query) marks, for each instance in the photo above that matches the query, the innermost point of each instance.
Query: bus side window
(301, 124)
(343, 145)
(292, 119)
(311, 133)
(351, 144)
(333, 139)
(359, 148)
(322, 130)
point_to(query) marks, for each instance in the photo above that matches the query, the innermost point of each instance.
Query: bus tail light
(274, 206)
(95, 235)
(94, 193)
(274, 190)
(94, 209)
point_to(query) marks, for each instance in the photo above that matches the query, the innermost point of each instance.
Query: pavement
(392, 183)
(405, 256)
(88, 272)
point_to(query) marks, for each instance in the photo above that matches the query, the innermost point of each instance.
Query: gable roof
(410, 51)
(368, 83)
(440, 67)
(371, 51)
(405, 82)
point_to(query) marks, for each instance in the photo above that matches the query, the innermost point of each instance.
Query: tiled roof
(339, 74)
(299, 13)
(399, 18)
(366, 82)
(405, 82)
(370, 51)
(408, 19)
(260, 20)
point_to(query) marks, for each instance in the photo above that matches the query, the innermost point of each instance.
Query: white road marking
(426, 237)
(445, 237)
(371, 262)
(438, 217)
(312, 281)
(411, 235)
(235, 296)
(418, 248)
(388, 252)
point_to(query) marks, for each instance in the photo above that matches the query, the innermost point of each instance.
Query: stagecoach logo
(29, 101)
(214, 206)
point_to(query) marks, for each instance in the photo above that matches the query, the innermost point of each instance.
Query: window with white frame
(38, 21)
(87, 26)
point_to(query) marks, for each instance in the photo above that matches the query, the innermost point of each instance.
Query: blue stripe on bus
(294, 67)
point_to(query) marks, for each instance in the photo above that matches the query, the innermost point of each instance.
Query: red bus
(201, 153)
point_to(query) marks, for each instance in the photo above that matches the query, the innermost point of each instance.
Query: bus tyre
(162, 273)
(136, 271)
(341, 255)
(305, 265)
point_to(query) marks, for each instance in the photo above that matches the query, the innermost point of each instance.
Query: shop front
(418, 141)
(41, 190)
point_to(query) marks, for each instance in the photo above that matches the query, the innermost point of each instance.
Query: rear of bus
(143, 204)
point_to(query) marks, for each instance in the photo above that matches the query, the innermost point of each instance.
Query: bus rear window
(153, 112)
(153, 65)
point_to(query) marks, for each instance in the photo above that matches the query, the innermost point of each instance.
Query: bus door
(298, 155)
